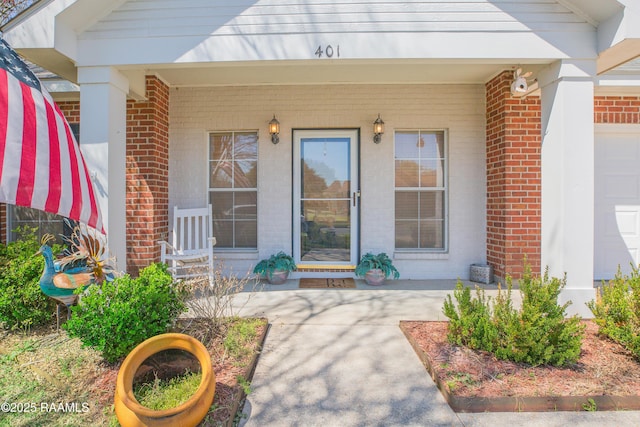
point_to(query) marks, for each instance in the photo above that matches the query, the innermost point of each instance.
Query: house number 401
(329, 51)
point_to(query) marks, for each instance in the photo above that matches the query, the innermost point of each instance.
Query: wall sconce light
(378, 130)
(274, 130)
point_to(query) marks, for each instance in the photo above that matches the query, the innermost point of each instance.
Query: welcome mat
(313, 283)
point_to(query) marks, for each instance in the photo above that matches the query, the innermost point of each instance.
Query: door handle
(356, 194)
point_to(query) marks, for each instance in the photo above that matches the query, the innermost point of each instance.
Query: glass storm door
(326, 197)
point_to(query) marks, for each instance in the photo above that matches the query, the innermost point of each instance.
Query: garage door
(617, 199)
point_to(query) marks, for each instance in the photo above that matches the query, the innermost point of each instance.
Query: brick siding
(71, 110)
(513, 179)
(147, 175)
(616, 109)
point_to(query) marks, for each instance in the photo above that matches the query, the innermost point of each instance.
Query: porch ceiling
(336, 72)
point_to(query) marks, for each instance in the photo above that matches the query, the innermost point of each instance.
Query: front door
(326, 197)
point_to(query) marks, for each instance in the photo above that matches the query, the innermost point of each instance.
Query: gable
(149, 18)
(169, 31)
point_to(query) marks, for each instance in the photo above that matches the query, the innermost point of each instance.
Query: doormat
(312, 283)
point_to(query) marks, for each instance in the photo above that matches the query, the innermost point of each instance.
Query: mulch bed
(606, 376)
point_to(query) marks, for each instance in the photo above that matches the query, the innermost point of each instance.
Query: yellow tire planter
(190, 413)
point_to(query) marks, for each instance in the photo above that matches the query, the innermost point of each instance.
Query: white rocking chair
(190, 253)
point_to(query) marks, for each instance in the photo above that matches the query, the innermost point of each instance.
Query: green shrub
(617, 310)
(22, 303)
(538, 333)
(471, 323)
(119, 315)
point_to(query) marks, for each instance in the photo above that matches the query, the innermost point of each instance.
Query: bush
(119, 315)
(22, 303)
(539, 333)
(211, 304)
(471, 323)
(617, 310)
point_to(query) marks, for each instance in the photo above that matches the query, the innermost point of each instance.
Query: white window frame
(232, 189)
(444, 189)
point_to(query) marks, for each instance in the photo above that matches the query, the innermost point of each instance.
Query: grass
(51, 379)
(166, 394)
(239, 336)
(46, 379)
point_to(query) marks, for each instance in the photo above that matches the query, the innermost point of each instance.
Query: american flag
(41, 165)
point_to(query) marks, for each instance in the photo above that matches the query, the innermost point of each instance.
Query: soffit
(594, 11)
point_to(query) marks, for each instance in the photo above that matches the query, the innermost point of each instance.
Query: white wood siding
(145, 18)
(201, 31)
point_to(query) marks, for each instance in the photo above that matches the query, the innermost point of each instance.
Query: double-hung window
(420, 190)
(233, 188)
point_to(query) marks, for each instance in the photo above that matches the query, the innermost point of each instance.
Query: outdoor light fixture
(522, 85)
(274, 130)
(378, 130)
(519, 85)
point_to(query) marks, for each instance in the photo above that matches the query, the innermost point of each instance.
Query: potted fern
(376, 268)
(276, 268)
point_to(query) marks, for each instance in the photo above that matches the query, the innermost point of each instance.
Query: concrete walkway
(338, 358)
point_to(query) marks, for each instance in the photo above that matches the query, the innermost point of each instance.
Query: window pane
(52, 227)
(246, 146)
(325, 167)
(245, 174)
(332, 213)
(222, 205)
(407, 173)
(246, 234)
(406, 234)
(221, 174)
(431, 173)
(43, 222)
(314, 185)
(432, 234)
(432, 204)
(223, 232)
(407, 145)
(235, 219)
(245, 205)
(406, 205)
(432, 145)
(221, 146)
(25, 215)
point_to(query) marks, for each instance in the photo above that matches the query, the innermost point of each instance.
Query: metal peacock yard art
(85, 262)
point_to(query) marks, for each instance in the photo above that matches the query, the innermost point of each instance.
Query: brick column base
(147, 175)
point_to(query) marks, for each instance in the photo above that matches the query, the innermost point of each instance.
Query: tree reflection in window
(233, 182)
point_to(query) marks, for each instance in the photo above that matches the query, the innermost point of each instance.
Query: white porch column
(568, 178)
(103, 107)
